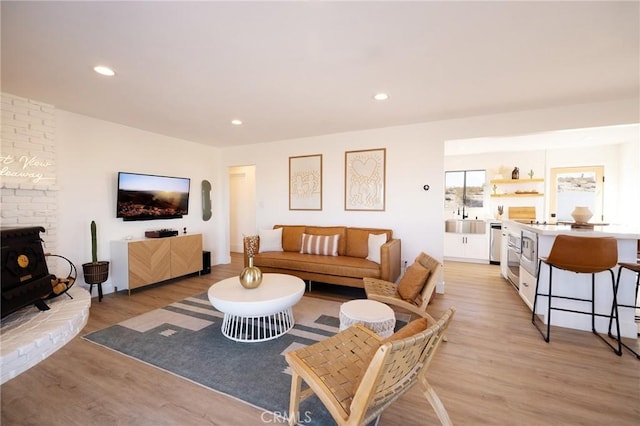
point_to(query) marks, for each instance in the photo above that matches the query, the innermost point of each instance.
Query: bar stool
(582, 255)
(635, 268)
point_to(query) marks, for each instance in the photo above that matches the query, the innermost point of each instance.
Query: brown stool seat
(583, 255)
(633, 267)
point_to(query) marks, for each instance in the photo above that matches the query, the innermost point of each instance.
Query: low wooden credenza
(137, 263)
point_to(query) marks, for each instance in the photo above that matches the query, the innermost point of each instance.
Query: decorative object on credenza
(206, 200)
(251, 276)
(161, 233)
(581, 214)
(184, 230)
(530, 174)
(515, 174)
(95, 272)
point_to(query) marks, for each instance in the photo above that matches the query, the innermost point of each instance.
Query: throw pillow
(412, 281)
(414, 327)
(326, 245)
(375, 242)
(270, 240)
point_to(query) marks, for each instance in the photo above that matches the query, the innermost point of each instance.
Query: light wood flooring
(495, 369)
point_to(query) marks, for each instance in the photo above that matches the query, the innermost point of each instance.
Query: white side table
(376, 316)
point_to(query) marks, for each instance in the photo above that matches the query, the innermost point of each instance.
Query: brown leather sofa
(348, 268)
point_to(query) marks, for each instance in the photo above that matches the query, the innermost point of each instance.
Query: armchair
(357, 375)
(387, 292)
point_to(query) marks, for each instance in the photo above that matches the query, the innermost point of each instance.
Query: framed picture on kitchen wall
(305, 182)
(364, 179)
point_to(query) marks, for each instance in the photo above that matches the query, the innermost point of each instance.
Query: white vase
(581, 214)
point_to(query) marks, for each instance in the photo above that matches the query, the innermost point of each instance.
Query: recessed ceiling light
(236, 122)
(102, 70)
(380, 96)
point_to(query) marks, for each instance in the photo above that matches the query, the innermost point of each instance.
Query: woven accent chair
(387, 292)
(356, 374)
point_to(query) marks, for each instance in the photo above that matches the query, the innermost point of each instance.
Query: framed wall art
(305, 182)
(364, 183)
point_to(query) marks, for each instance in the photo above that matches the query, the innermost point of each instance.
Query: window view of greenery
(464, 188)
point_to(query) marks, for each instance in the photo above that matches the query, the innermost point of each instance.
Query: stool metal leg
(535, 302)
(617, 286)
(614, 313)
(549, 295)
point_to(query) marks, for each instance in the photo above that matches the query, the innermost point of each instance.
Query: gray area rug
(185, 339)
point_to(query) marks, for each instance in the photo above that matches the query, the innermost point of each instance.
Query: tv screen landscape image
(149, 197)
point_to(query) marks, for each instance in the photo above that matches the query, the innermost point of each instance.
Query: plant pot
(95, 273)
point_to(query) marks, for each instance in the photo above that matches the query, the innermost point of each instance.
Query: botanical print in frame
(305, 182)
(364, 184)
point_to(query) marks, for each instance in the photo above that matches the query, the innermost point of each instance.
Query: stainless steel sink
(465, 226)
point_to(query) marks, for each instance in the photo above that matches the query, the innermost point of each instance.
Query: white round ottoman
(376, 316)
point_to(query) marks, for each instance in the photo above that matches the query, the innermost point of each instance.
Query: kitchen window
(576, 186)
(464, 188)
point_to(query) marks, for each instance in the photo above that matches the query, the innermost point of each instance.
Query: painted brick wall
(29, 195)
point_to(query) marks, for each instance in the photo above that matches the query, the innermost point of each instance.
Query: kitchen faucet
(464, 215)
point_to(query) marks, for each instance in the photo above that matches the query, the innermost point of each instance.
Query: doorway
(242, 205)
(576, 186)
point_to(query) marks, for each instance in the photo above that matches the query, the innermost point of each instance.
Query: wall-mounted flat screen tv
(149, 197)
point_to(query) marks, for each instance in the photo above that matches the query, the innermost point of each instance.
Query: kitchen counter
(616, 231)
(579, 285)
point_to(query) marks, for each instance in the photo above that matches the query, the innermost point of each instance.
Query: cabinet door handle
(525, 284)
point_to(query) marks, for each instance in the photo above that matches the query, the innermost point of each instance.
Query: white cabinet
(504, 254)
(466, 247)
(137, 263)
(527, 287)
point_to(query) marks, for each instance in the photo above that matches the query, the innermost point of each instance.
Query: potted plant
(95, 272)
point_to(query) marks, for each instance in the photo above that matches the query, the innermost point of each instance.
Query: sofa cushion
(358, 240)
(375, 242)
(291, 237)
(343, 266)
(270, 240)
(412, 282)
(326, 245)
(414, 327)
(331, 230)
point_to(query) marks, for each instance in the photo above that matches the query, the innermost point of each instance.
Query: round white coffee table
(258, 314)
(374, 315)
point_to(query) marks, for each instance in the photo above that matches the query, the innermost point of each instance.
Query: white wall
(502, 163)
(91, 152)
(415, 157)
(621, 176)
(412, 160)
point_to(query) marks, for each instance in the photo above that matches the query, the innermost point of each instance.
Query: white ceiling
(296, 69)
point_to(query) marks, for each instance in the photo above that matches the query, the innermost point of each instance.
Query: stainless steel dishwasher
(495, 241)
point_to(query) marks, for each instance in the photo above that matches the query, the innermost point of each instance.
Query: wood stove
(25, 276)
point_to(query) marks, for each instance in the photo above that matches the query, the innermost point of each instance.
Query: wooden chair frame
(355, 386)
(387, 292)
